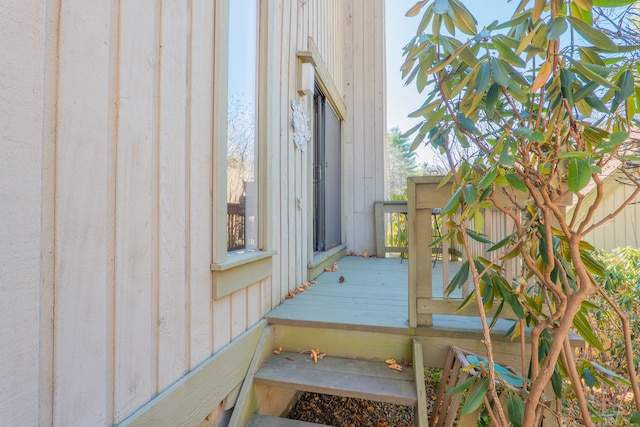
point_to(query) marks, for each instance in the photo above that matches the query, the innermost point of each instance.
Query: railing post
(381, 237)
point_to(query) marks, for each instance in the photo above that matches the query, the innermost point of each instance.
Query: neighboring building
(621, 230)
(154, 203)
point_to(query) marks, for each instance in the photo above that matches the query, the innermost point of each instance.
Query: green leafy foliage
(543, 104)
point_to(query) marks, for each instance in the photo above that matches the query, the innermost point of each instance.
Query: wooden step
(259, 420)
(340, 377)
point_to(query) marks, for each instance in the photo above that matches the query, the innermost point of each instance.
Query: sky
(401, 99)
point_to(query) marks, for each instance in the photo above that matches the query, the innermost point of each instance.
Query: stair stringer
(247, 403)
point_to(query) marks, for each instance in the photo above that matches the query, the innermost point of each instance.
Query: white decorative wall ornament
(300, 124)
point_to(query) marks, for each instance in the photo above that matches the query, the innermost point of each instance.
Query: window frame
(235, 270)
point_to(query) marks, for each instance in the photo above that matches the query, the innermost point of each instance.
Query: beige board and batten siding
(620, 231)
(107, 181)
(364, 131)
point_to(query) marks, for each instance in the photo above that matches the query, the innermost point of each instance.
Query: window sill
(239, 271)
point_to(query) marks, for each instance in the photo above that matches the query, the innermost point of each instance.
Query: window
(241, 255)
(242, 118)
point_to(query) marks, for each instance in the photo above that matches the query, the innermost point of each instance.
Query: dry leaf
(301, 289)
(290, 295)
(332, 267)
(341, 279)
(390, 361)
(405, 362)
(365, 254)
(322, 356)
(278, 350)
(313, 282)
(290, 358)
(396, 367)
(314, 355)
(352, 253)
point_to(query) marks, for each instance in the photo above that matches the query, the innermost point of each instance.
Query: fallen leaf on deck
(278, 350)
(322, 356)
(365, 254)
(332, 267)
(314, 355)
(290, 295)
(301, 289)
(290, 358)
(390, 361)
(396, 367)
(405, 362)
(341, 279)
(313, 282)
(352, 253)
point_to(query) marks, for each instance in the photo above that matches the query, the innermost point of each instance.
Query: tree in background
(545, 101)
(401, 164)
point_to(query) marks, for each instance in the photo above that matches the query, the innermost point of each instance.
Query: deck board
(373, 296)
(339, 376)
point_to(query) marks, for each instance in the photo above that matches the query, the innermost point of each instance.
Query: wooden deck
(373, 297)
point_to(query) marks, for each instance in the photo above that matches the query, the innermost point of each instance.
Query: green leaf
(453, 204)
(474, 401)
(506, 52)
(612, 374)
(557, 27)
(467, 123)
(585, 330)
(484, 77)
(464, 21)
(590, 34)
(411, 131)
(589, 380)
(635, 418)
(478, 237)
(515, 409)
(516, 182)
(535, 136)
(574, 154)
(470, 193)
(579, 174)
(499, 73)
(488, 179)
(501, 243)
(463, 386)
(425, 109)
(613, 3)
(461, 277)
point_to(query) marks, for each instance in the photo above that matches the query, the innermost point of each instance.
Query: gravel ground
(349, 412)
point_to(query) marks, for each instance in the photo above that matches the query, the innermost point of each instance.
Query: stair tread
(259, 420)
(339, 376)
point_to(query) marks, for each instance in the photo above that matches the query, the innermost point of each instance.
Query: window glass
(242, 170)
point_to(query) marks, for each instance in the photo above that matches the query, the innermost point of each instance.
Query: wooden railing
(391, 227)
(426, 298)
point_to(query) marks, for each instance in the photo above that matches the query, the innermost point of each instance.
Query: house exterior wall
(624, 229)
(108, 182)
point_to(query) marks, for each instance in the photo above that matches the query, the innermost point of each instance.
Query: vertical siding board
(21, 192)
(200, 181)
(285, 277)
(253, 304)
(359, 166)
(380, 102)
(136, 229)
(221, 322)
(238, 312)
(172, 314)
(81, 314)
(273, 138)
(299, 156)
(370, 118)
(348, 184)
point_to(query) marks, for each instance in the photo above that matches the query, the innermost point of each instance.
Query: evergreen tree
(401, 163)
